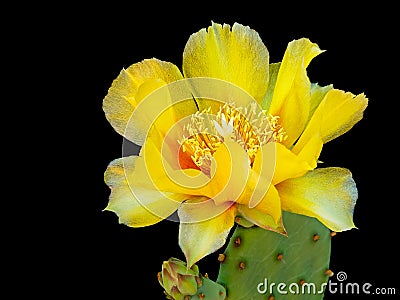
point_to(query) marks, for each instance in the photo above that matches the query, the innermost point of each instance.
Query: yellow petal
(261, 219)
(287, 164)
(273, 75)
(161, 150)
(156, 169)
(317, 95)
(340, 111)
(311, 150)
(230, 169)
(198, 239)
(269, 204)
(130, 88)
(310, 147)
(292, 93)
(136, 206)
(259, 192)
(235, 54)
(328, 194)
(337, 113)
(154, 172)
(150, 113)
(212, 93)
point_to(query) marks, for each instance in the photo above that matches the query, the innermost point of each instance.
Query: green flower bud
(177, 280)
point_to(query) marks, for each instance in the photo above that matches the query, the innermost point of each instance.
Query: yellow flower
(234, 138)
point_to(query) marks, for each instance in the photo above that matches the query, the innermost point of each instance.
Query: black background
(91, 255)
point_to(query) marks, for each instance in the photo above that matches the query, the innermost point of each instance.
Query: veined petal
(328, 194)
(337, 113)
(292, 93)
(130, 87)
(198, 239)
(140, 206)
(237, 55)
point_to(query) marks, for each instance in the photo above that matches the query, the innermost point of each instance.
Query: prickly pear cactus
(209, 290)
(256, 261)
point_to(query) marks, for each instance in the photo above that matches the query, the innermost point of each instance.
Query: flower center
(248, 126)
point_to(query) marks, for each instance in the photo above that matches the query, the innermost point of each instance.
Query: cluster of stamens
(248, 126)
(198, 141)
(279, 134)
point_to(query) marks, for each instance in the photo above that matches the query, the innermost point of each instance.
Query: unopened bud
(177, 280)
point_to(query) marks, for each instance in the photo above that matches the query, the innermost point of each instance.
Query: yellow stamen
(248, 126)
(278, 132)
(200, 144)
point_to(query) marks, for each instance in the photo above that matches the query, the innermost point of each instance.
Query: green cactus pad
(209, 290)
(257, 260)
